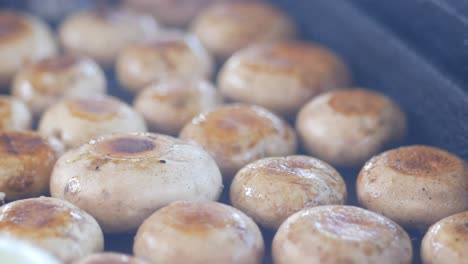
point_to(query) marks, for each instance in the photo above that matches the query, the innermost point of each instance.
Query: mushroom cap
(14, 114)
(188, 231)
(347, 127)
(226, 27)
(340, 234)
(263, 73)
(57, 226)
(84, 118)
(271, 189)
(172, 55)
(26, 162)
(102, 33)
(447, 240)
(167, 106)
(238, 134)
(48, 80)
(121, 179)
(415, 186)
(23, 38)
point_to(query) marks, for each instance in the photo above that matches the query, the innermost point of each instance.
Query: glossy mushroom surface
(187, 232)
(121, 179)
(415, 186)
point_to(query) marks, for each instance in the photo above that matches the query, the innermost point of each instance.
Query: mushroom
(26, 162)
(110, 258)
(271, 189)
(102, 33)
(121, 179)
(238, 134)
(173, 55)
(446, 241)
(347, 127)
(264, 73)
(340, 234)
(188, 231)
(415, 186)
(54, 225)
(45, 82)
(226, 27)
(173, 13)
(14, 114)
(23, 38)
(84, 118)
(169, 105)
(17, 251)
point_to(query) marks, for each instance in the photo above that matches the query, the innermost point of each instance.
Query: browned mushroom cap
(14, 114)
(238, 134)
(84, 118)
(227, 27)
(446, 241)
(57, 226)
(43, 83)
(26, 162)
(187, 232)
(347, 127)
(415, 186)
(264, 73)
(121, 179)
(271, 189)
(340, 234)
(169, 105)
(102, 33)
(109, 258)
(23, 38)
(173, 55)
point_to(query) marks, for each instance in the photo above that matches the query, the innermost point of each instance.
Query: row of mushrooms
(282, 117)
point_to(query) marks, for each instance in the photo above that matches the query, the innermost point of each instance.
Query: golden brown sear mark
(12, 26)
(357, 102)
(94, 109)
(421, 161)
(19, 143)
(20, 183)
(197, 217)
(34, 218)
(125, 147)
(57, 63)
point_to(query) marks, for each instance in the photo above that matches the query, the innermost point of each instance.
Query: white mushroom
(226, 27)
(23, 38)
(264, 74)
(26, 162)
(169, 105)
(173, 55)
(347, 127)
(45, 82)
(121, 179)
(340, 234)
(14, 114)
(415, 186)
(199, 232)
(83, 118)
(102, 33)
(19, 251)
(238, 134)
(446, 241)
(271, 189)
(54, 225)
